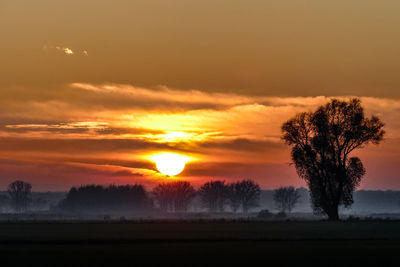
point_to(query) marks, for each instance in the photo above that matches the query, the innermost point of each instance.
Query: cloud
(243, 144)
(161, 114)
(65, 50)
(119, 125)
(193, 99)
(77, 146)
(86, 125)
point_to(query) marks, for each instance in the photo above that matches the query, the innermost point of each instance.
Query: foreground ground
(201, 243)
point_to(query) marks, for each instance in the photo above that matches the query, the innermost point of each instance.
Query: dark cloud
(95, 146)
(101, 161)
(65, 128)
(126, 173)
(242, 144)
(79, 146)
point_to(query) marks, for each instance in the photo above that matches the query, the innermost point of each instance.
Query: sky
(90, 90)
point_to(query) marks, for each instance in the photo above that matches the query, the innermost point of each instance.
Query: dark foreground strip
(163, 240)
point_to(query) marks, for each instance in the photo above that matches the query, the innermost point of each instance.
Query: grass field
(374, 243)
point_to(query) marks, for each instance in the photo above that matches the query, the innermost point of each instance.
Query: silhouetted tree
(249, 194)
(234, 196)
(184, 193)
(19, 192)
(97, 198)
(163, 194)
(321, 145)
(286, 198)
(214, 195)
(174, 196)
(4, 202)
(264, 214)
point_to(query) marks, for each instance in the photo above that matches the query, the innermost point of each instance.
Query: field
(207, 243)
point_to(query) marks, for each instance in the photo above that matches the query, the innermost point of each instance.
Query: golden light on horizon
(170, 164)
(175, 136)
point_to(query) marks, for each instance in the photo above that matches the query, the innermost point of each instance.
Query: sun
(170, 164)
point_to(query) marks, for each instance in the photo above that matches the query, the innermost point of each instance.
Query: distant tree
(163, 194)
(184, 193)
(321, 144)
(4, 202)
(264, 214)
(97, 198)
(280, 215)
(398, 198)
(234, 196)
(286, 198)
(19, 192)
(174, 196)
(249, 194)
(38, 204)
(214, 195)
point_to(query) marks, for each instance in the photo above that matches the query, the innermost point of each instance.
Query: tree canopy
(321, 144)
(94, 198)
(214, 195)
(19, 192)
(174, 196)
(286, 198)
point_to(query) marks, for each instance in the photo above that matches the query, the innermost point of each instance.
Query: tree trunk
(333, 213)
(245, 209)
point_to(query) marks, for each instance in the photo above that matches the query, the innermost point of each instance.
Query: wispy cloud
(65, 50)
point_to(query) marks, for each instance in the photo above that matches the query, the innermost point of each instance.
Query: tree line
(171, 196)
(97, 198)
(214, 195)
(175, 196)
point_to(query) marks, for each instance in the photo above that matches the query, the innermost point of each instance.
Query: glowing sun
(170, 163)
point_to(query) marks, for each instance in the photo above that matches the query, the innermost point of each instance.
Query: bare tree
(286, 198)
(19, 192)
(234, 196)
(183, 195)
(249, 194)
(163, 194)
(174, 196)
(321, 144)
(214, 195)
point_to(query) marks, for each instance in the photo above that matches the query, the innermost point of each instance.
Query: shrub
(264, 214)
(280, 215)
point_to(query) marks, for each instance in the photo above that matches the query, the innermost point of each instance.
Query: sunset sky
(90, 90)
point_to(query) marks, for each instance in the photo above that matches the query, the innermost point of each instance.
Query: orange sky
(89, 89)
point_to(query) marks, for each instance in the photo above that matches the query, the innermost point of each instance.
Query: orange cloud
(117, 126)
